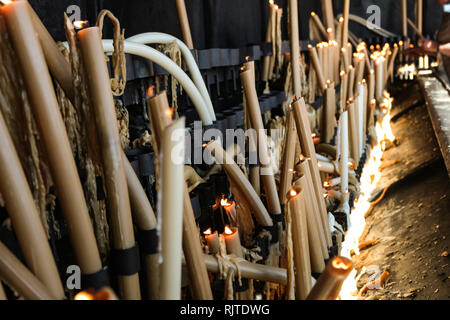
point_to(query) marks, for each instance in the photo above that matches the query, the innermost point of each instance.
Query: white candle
(343, 163)
(171, 208)
(172, 68)
(157, 37)
(361, 117)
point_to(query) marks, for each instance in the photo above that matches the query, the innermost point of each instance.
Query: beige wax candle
(172, 179)
(300, 243)
(295, 47)
(212, 239)
(105, 117)
(232, 241)
(328, 285)
(184, 23)
(25, 216)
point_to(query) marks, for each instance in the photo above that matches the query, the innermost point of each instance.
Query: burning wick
(83, 295)
(225, 203)
(80, 24)
(228, 231)
(341, 263)
(169, 112)
(151, 91)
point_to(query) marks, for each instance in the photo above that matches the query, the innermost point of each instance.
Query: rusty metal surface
(438, 104)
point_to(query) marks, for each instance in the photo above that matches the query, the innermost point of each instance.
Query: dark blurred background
(225, 23)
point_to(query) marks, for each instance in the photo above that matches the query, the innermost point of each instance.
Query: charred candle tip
(80, 24)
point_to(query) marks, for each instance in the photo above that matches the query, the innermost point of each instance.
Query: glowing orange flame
(151, 91)
(225, 203)
(329, 30)
(80, 24)
(326, 184)
(228, 230)
(313, 14)
(276, 7)
(83, 295)
(5, 2)
(292, 192)
(170, 112)
(247, 57)
(341, 20)
(341, 263)
(242, 68)
(207, 231)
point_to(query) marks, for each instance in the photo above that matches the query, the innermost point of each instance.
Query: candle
(25, 216)
(266, 59)
(343, 92)
(307, 147)
(346, 9)
(360, 109)
(2, 293)
(330, 281)
(351, 83)
(300, 243)
(295, 47)
(276, 16)
(353, 130)
(13, 272)
(57, 64)
(184, 23)
(323, 32)
(232, 241)
(328, 15)
(212, 239)
(328, 118)
(236, 175)
(316, 237)
(194, 71)
(250, 270)
(159, 115)
(43, 101)
(317, 67)
(358, 60)
(290, 141)
(419, 15)
(230, 209)
(404, 18)
(322, 220)
(264, 159)
(371, 87)
(415, 28)
(379, 77)
(392, 62)
(339, 30)
(344, 60)
(171, 205)
(105, 118)
(343, 161)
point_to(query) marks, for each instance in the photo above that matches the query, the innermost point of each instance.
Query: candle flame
(228, 230)
(169, 112)
(341, 263)
(276, 7)
(401, 43)
(326, 184)
(207, 231)
(292, 192)
(83, 295)
(5, 2)
(329, 30)
(80, 24)
(225, 203)
(313, 14)
(151, 91)
(302, 157)
(341, 20)
(242, 68)
(247, 57)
